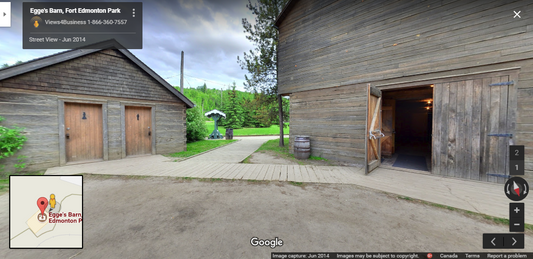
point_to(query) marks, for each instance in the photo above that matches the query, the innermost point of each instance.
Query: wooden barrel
(302, 147)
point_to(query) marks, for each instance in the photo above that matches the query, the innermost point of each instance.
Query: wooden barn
(87, 105)
(445, 81)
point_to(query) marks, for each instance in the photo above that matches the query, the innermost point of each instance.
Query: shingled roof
(53, 59)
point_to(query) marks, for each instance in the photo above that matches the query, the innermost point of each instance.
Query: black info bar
(429, 255)
(70, 25)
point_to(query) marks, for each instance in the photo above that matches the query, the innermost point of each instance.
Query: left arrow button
(492, 241)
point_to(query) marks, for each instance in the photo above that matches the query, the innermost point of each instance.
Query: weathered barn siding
(104, 73)
(392, 44)
(38, 114)
(519, 105)
(335, 120)
(114, 130)
(170, 126)
(35, 101)
(326, 43)
(466, 111)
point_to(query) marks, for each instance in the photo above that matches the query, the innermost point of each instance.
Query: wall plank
(104, 73)
(335, 132)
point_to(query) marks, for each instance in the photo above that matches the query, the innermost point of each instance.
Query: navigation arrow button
(492, 241)
(5, 10)
(514, 241)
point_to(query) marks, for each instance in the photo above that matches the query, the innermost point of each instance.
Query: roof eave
(158, 78)
(284, 13)
(76, 53)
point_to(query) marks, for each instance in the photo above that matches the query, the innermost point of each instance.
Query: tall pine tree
(261, 62)
(233, 110)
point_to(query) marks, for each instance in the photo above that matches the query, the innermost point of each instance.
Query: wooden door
(373, 129)
(388, 115)
(138, 130)
(470, 120)
(83, 132)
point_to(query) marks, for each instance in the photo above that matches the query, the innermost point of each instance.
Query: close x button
(506, 241)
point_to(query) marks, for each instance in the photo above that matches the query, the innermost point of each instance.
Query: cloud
(209, 32)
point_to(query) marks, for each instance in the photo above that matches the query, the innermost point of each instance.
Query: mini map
(45, 211)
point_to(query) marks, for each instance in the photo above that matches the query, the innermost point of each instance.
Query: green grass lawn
(273, 130)
(201, 146)
(273, 145)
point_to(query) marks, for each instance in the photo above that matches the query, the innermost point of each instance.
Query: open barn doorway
(407, 116)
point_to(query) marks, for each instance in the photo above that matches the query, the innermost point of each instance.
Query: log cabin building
(446, 80)
(86, 105)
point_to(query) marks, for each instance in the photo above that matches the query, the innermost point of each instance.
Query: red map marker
(42, 203)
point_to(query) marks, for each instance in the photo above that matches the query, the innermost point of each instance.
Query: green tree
(257, 113)
(233, 110)
(202, 88)
(11, 141)
(196, 128)
(249, 120)
(261, 62)
(5, 65)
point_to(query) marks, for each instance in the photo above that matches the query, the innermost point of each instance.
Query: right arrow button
(513, 241)
(507, 241)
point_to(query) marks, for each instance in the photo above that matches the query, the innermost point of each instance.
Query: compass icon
(516, 188)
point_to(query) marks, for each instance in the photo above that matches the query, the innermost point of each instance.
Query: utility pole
(280, 105)
(181, 74)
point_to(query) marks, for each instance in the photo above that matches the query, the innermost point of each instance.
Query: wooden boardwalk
(481, 197)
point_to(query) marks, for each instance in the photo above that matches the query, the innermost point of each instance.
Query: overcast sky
(210, 33)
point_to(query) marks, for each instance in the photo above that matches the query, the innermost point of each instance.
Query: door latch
(67, 136)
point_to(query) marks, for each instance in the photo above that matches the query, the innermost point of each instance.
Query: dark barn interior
(407, 125)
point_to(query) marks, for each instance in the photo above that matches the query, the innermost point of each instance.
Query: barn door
(83, 132)
(472, 121)
(388, 116)
(373, 129)
(138, 130)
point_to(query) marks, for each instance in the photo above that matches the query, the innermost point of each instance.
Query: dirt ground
(157, 217)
